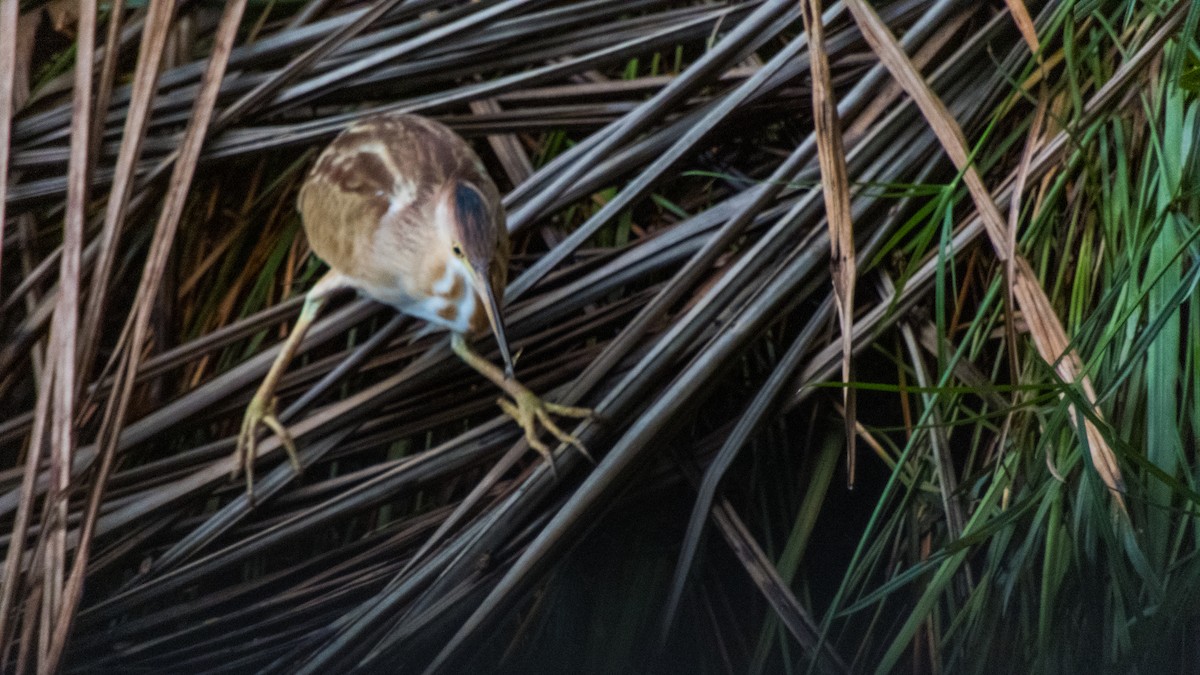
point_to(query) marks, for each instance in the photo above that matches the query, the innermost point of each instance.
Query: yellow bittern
(404, 212)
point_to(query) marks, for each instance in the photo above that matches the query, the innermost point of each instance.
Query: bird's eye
(458, 251)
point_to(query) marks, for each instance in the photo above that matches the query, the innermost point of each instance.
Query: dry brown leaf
(160, 247)
(507, 147)
(836, 190)
(1047, 331)
(882, 102)
(145, 86)
(110, 53)
(60, 387)
(8, 66)
(1020, 15)
(1032, 143)
(27, 27)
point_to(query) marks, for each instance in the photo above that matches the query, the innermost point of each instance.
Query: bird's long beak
(484, 290)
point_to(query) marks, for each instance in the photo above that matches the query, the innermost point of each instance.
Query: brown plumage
(369, 198)
(404, 212)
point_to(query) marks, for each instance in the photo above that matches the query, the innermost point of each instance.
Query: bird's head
(475, 241)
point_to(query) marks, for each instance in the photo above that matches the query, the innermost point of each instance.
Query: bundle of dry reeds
(943, 252)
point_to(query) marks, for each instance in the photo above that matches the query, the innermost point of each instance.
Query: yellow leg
(261, 410)
(526, 408)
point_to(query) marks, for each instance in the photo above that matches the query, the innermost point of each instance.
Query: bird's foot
(527, 409)
(260, 411)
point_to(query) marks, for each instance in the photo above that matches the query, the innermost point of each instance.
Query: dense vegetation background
(1007, 484)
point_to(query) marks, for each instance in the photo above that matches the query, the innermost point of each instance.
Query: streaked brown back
(386, 172)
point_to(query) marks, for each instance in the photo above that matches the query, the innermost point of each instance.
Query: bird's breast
(447, 300)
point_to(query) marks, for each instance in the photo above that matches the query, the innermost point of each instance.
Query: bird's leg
(261, 409)
(526, 408)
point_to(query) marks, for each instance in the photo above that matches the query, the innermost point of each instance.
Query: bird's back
(369, 202)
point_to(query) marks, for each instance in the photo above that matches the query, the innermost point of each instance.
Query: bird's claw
(260, 411)
(527, 410)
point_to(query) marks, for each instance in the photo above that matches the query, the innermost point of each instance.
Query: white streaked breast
(435, 309)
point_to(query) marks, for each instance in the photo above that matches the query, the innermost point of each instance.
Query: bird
(403, 211)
